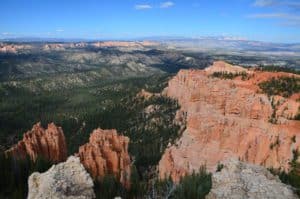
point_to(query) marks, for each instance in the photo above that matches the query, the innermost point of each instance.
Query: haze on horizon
(264, 20)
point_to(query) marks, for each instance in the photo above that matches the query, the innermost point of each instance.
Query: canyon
(221, 118)
(230, 118)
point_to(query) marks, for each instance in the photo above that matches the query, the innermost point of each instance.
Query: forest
(283, 86)
(109, 104)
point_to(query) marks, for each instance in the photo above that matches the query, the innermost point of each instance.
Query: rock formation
(13, 48)
(241, 180)
(67, 180)
(229, 118)
(39, 142)
(223, 67)
(107, 153)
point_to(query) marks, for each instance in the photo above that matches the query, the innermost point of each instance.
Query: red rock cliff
(229, 118)
(47, 143)
(107, 153)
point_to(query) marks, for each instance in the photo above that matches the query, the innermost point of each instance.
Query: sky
(262, 20)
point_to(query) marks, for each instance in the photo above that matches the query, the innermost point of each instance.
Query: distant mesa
(47, 143)
(13, 48)
(7, 48)
(124, 44)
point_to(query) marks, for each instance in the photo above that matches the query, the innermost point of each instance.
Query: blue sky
(267, 20)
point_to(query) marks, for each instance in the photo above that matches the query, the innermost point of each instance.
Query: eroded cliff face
(107, 153)
(229, 118)
(47, 143)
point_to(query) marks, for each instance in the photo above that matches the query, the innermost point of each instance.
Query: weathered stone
(240, 180)
(67, 180)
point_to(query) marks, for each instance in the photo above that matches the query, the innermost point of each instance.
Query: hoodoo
(47, 143)
(107, 153)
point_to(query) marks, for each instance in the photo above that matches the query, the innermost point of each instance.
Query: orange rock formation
(39, 142)
(107, 153)
(229, 118)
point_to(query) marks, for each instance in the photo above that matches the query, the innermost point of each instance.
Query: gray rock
(238, 180)
(67, 180)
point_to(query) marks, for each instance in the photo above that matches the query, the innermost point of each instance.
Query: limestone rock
(67, 180)
(229, 118)
(240, 180)
(107, 153)
(221, 66)
(47, 143)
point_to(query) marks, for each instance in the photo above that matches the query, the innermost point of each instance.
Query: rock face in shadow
(241, 180)
(229, 118)
(107, 153)
(47, 143)
(67, 180)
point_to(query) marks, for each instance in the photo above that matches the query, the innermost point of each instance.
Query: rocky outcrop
(13, 48)
(107, 153)
(47, 143)
(223, 67)
(67, 180)
(229, 118)
(241, 180)
(146, 94)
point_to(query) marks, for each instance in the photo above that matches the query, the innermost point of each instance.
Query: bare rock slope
(67, 180)
(107, 153)
(240, 180)
(47, 143)
(229, 118)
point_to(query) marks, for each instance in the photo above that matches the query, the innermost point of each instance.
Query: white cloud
(264, 3)
(6, 33)
(167, 4)
(275, 15)
(142, 7)
(59, 30)
(285, 19)
(267, 15)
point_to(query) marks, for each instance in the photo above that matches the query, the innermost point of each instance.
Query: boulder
(67, 180)
(240, 180)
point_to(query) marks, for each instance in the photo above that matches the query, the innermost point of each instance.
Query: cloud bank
(142, 7)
